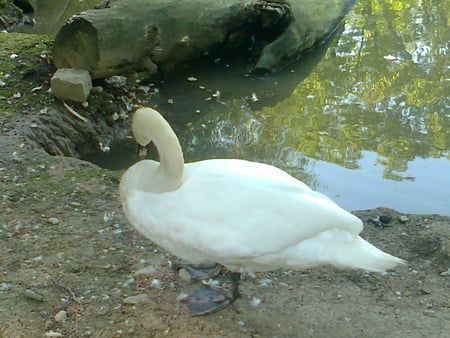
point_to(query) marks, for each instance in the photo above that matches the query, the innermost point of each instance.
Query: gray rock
(71, 84)
(133, 300)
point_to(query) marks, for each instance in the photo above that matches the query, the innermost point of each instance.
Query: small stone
(156, 284)
(255, 302)
(403, 219)
(71, 84)
(61, 317)
(145, 272)
(133, 300)
(97, 90)
(184, 275)
(33, 295)
(385, 219)
(53, 220)
(429, 313)
(445, 273)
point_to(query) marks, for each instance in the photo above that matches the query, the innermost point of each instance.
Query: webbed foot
(207, 300)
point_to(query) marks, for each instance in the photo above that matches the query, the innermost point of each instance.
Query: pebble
(254, 302)
(429, 313)
(53, 220)
(156, 284)
(403, 219)
(145, 272)
(133, 300)
(184, 275)
(61, 317)
(445, 273)
(33, 295)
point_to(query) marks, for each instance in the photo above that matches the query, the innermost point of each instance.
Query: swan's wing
(240, 208)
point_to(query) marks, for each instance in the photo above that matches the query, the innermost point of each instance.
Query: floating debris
(392, 58)
(104, 148)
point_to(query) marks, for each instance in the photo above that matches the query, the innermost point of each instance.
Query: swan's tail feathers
(344, 250)
(370, 258)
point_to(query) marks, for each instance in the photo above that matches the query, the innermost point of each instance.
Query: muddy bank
(68, 256)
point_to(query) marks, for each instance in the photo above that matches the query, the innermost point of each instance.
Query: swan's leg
(199, 271)
(208, 300)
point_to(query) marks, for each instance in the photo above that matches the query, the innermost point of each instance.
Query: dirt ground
(68, 257)
(66, 246)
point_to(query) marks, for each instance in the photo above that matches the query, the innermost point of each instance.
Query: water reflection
(375, 103)
(366, 121)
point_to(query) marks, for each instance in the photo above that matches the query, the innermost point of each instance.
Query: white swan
(244, 215)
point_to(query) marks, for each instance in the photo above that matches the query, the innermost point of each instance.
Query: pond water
(364, 119)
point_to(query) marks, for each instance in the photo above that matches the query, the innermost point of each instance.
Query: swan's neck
(171, 167)
(171, 161)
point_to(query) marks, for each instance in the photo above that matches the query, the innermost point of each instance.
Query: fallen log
(120, 36)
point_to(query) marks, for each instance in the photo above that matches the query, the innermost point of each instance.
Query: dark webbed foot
(208, 300)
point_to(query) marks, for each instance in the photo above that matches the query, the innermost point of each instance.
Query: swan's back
(235, 209)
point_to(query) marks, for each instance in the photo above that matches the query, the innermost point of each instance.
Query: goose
(245, 216)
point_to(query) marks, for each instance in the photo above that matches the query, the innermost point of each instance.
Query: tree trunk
(120, 36)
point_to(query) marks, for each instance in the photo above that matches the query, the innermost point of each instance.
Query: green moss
(25, 72)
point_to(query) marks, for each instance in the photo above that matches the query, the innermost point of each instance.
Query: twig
(74, 113)
(68, 290)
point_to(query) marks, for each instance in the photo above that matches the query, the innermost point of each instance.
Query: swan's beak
(142, 151)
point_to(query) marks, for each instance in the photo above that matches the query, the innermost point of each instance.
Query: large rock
(71, 84)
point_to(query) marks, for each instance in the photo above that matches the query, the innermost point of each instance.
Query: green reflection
(383, 88)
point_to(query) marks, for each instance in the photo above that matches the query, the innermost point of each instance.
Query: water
(364, 119)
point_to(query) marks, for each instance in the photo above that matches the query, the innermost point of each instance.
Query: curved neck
(149, 126)
(171, 167)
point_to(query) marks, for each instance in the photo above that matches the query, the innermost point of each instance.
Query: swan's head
(149, 126)
(141, 126)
